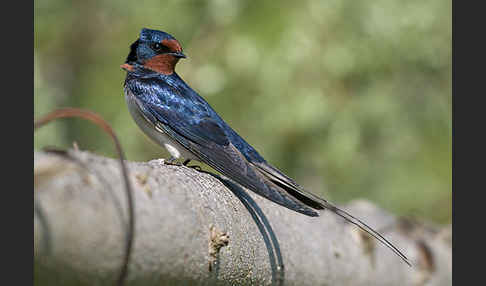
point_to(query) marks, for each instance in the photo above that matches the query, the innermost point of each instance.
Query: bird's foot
(195, 167)
(172, 161)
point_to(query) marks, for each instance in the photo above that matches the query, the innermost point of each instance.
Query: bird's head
(154, 50)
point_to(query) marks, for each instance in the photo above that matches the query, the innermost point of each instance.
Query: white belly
(175, 149)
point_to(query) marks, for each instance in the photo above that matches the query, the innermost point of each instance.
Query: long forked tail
(363, 226)
(279, 180)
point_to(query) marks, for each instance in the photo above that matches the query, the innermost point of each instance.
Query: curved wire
(100, 122)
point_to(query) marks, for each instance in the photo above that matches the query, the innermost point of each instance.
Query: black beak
(178, 55)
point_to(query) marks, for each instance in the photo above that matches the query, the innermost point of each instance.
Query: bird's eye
(158, 47)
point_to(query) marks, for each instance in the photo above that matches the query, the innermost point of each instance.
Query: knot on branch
(217, 239)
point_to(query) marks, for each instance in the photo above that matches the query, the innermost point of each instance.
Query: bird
(176, 117)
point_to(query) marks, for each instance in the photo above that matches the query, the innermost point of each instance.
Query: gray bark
(193, 228)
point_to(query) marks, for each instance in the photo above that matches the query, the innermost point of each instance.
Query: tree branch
(197, 228)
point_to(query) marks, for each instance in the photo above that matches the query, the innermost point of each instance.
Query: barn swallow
(176, 117)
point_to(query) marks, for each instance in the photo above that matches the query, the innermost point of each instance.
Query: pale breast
(175, 149)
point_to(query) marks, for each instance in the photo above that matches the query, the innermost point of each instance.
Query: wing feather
(207, 140)
(202, 133)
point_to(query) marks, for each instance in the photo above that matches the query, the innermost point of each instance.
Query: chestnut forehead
(172, 44)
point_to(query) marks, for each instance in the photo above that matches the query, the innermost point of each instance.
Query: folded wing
(203, 135)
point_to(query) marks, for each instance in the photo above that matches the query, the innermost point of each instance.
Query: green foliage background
(351, 98)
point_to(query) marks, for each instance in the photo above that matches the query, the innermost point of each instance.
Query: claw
(172, 161)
